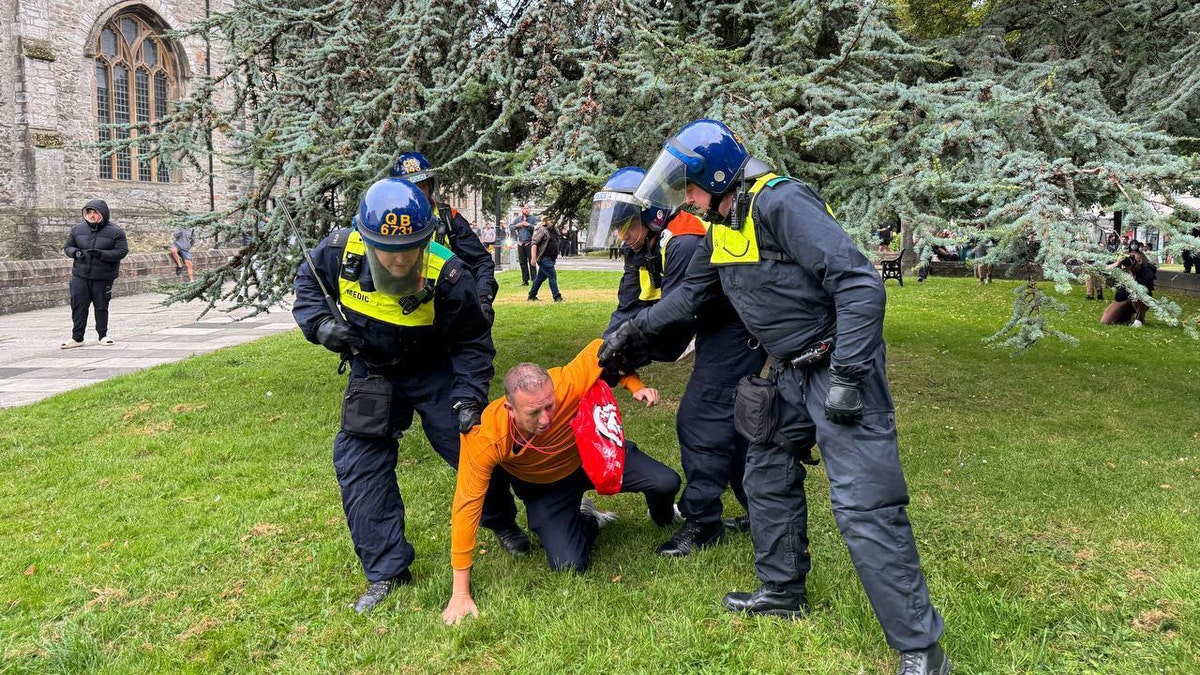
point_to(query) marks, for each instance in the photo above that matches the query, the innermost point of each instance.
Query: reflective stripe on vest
(383, 306)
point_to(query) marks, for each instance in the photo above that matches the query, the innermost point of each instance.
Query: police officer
(452, 230)
(656, 259)
(816, 304)
(417, 340)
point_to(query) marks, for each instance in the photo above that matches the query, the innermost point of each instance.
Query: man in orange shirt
(528, 434)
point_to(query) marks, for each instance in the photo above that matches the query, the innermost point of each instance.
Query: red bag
(601, 438)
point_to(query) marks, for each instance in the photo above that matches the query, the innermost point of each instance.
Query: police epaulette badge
(453, 272)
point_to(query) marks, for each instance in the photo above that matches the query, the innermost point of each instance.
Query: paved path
(32, 366)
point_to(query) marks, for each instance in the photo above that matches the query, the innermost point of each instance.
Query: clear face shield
(665, 182)
(612, 214)
(398, 273)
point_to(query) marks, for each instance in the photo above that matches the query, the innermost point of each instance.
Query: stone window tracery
(136, 79)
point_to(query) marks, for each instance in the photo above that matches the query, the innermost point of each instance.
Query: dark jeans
(545, 271)
(85, 293)
(523, 259)
(553, 508)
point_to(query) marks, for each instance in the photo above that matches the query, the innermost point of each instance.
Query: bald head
(525, 377)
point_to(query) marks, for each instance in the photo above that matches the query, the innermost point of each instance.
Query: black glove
(79, 254)
(94, 252)
(625, 349)
(469, 415)
(843, 401)
(488, 312)
(338, 337)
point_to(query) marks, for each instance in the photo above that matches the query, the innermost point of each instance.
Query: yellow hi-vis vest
(383, 306)
(740, 247)
(648, 292)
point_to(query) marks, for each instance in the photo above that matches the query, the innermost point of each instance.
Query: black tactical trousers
(868, 494)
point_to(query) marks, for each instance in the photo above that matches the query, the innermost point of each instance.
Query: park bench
(891, 266)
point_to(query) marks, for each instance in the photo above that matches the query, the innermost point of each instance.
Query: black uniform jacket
(825, 286)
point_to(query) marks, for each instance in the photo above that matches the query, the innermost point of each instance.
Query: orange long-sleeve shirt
(491, 444)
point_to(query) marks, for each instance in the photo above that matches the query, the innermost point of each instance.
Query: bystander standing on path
(97, 245)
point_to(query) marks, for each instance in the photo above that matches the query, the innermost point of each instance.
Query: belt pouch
(367, 409)
(756, 409)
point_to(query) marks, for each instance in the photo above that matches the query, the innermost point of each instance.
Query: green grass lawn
(187, 518)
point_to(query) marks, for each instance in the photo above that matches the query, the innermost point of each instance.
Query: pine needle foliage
(1011, 121)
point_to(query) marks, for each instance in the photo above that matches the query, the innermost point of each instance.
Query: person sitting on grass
(527, 434)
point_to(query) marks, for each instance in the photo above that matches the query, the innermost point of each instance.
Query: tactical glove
(625, 349)
(338, 337)
(469, 415)
(843, 401)
(489, 313)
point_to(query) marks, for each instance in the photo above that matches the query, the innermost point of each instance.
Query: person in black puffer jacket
(97, 245)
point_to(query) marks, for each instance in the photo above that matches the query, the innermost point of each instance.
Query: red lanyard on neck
(520, 441)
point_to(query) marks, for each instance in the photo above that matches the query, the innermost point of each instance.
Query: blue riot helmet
(705, 152)
(395, 222)
(614, 209)
(414, 167)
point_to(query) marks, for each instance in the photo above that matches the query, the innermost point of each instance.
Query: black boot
(931, 661)
(769, 600)
(379, 590)
(692, 537)
(514, 541)
(737, 524)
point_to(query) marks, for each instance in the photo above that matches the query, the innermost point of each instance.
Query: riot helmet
(395, 222)
(414, 167)
(705, 152)
(615, 209)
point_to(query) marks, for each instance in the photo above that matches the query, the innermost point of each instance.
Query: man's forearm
(533, 252)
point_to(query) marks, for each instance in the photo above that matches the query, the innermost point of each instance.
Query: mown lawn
(187, 519)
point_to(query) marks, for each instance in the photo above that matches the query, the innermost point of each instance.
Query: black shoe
(514, 541)
(532, 299)
(178, 270)
(560, 299)
(738, 524)
(692, 537)
(932, 661)
(524, 283)
(379, 590)
(769, 600)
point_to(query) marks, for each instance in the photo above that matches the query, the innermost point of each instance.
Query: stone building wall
(48, 117)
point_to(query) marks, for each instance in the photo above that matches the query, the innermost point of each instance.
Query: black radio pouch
(367, 408)
(756, 409)
(756, 416)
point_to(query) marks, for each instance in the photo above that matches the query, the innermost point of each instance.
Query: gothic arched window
(136, 78)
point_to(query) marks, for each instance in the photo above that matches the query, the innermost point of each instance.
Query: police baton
(312, 266)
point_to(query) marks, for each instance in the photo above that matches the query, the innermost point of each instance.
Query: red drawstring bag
(601, 438)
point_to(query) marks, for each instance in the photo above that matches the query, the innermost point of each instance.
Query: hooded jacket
(105, 238)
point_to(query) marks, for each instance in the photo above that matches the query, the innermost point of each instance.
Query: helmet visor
(612, 214)
(663, 186)
(398, 273)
